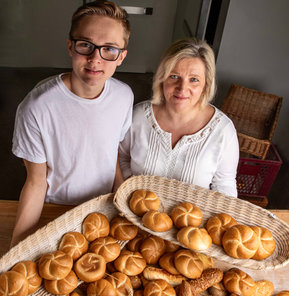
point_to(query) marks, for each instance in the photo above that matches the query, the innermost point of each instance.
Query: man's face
(92, 71)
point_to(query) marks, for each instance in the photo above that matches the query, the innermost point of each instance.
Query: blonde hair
(102, 8)
(186, 48)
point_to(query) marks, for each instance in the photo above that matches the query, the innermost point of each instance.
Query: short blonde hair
(186, 48)
(102, 8)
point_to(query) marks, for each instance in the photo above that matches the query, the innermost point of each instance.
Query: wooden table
(8, 209)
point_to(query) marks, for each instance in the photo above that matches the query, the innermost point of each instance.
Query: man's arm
(31, 201)
(118, 179)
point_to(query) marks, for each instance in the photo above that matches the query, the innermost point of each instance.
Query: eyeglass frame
(99, 47)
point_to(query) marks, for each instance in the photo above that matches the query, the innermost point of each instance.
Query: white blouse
(208, 158)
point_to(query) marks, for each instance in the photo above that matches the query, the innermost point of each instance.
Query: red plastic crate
(256, 176)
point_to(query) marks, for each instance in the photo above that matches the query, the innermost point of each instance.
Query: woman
(179, 134)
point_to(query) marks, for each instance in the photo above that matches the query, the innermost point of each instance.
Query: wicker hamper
(255, 115)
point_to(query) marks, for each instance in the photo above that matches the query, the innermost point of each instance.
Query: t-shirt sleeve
(128, 118)
(27, 140)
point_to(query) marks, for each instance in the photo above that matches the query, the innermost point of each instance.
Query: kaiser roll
(143, 201)
(157, 221)
(135, 281)
(121, 283)
(63, 286)
(240, 241)
(196, 239)
(55, 265)
(217, 225)
(30, 270)
(171, 247)
(186, 214)
(90, 267)
(95, 225)
(188, 263)
(263, 288)
(74, 244)
(207, 260)
(159, 288)
(134, 244)
(130, 263)
(239, 282)
(101, 287)
(267, 244)
(122, 229)
(152, 248)
(13, 283)
(167, 263)
(107, 247)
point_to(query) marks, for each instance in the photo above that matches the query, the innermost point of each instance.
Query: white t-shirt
(208, 158)
(77, 137)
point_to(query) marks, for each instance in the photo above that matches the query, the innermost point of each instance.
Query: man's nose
(95, 56)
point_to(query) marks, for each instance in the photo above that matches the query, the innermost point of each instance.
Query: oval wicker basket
(172, 192)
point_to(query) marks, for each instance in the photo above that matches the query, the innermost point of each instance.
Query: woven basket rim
(210, 202)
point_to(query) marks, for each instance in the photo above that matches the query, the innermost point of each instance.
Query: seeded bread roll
(143, 201)
(186, 214)
(30, 271)
(267, 244)
(55, 265)
(240, 241)
(63, 286)
(159, 288)
(95, 225)
(13, 283)
(152, 248)
(196, 239)
(217, 225)
(167, 263)
(130, 263)
(121, 283)
(74, 244)
(157, 221)
(239, 282)
(188, 263)
(107, 247)
(90, 267)
(101, 288)
(122, 229)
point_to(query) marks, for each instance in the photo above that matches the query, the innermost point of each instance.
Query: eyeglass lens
(87, 48)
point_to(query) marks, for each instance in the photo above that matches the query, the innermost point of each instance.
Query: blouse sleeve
(224, 180)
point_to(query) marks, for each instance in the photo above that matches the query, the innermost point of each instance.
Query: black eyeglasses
(108, 53)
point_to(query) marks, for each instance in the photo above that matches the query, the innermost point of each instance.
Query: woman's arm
(31, 201)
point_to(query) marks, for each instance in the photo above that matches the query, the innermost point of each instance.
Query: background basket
(255, 115)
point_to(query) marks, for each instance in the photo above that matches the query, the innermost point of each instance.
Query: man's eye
(84, 44)
(109, 49)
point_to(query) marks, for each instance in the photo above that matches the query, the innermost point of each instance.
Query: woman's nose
(182, 84)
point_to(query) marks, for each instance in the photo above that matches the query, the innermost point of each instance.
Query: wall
(254, 53)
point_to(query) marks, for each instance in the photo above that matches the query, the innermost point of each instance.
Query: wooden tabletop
(8, 211)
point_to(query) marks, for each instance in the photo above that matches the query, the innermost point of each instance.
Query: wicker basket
(255, 115)
(172, 192)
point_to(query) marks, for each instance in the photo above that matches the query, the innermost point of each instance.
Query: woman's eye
(194, 79)
(174, 76)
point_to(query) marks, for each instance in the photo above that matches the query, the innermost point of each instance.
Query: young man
(68, 128)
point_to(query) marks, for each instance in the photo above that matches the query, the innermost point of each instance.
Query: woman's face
(185, 84)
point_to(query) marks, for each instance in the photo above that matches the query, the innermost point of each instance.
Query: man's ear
(69, 46)
(121, 57)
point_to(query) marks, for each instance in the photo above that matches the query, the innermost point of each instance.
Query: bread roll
(63, 286)
(95, 225)
(130, 263)
(217, 225)
(218, 290)
(107, 247)
(122, 229)
(196, 239)
(134, 244)
(283, 293)
(152, 248)
(267, 244)
(171, 247)
(167, 263)
(55, 265)
(154, 273)
(157, 221)
(207, 260)
(186, 214)
(30, 270)
(121, 283)
(90, 267)
(188, 263)
(263, 288)
(13, 283)
(101, 288)
(240, 241)
(159, 288)
(135, 281)
(239, 282)
(143, 201)
(138, 293)
(74, 244)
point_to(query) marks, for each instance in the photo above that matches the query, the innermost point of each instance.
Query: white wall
(254, 52)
